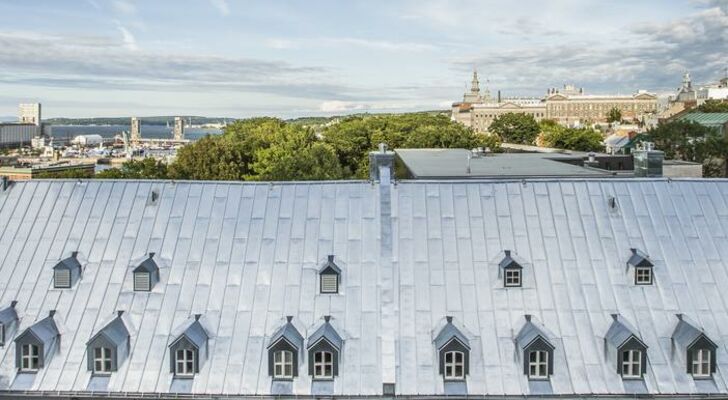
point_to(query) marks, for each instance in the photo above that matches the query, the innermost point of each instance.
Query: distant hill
(197, 120)
(161, 120)
(9, 119)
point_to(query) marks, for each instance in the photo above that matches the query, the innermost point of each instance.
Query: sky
(290, 58)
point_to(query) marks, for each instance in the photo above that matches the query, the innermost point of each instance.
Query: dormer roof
(327, 332)
(621, 331)
(639, 259)
(450, 332)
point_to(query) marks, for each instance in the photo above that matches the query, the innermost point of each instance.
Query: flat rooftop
(453, 163)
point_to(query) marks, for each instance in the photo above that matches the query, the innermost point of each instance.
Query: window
(632, 364)
(102, 360)
(512, 277)
(283, 364)
(538, 365)
(62, 278)
(454, 365)
(701, 363)
(643, 276)
(142, 282)
(323, 365)
(30, 357)
(329, 283)
(185, 362)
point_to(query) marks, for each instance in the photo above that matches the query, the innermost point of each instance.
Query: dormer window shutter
(62, 278)
(141, 282)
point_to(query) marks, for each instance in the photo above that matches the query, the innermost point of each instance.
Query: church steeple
(475, 84)
(687, 82)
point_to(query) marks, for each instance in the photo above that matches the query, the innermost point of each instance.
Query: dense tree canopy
(690, 141)
(515, 128)
(561, 137)
(354, 137)
(148, 168)
(714, 106)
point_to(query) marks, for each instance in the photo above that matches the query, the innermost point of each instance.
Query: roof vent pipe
(197, 317)
(6, 183)
(51, 313)
(289, 318)
(449, 319)
(327, 318)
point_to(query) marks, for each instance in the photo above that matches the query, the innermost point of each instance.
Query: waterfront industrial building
(572, 288)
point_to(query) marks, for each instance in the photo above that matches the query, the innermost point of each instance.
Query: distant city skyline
(236, 58)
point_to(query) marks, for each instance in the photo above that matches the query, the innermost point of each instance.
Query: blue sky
(288, 58)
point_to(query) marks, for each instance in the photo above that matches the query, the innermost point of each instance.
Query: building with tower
(29, 113)
(136, 129)
(569, 105)
(179, 128)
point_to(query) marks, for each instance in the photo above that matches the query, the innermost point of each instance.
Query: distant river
(68, 132)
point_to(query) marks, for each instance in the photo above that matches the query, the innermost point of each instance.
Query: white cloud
(127, 38)
(380, 45)
(123, 7)
(336, 106)
(221, 6)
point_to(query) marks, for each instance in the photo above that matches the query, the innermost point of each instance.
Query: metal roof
(686, 333)
(8, 314)
(327, 332)
(288, 332)
(708, 119)
(621, 331)
(69, 263)
(193, 330)
(245, 255)
(453, 163)
(44, 330)
(530, 331)
(115, 331)
(148, 265)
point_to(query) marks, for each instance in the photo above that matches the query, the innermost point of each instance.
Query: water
(68, 132)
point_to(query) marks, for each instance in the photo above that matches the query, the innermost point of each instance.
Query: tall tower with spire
(474, 95)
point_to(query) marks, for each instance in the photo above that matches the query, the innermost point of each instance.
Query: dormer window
(324, 348)
(146, 275)
(109, 347)
(623, 341)
(283, 351)
(189, 350)
(512, 270)
(30, 358)
(699, 350)
(66, 272)
(643, 267)
(329, 277)
(537, 350)
(37, 344)
(453, 349)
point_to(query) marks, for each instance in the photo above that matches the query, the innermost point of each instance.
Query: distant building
(569, 106)
(13, 135)
(29, 113)
(136, 129)
(42, 171)
(718, 91)
(179, 128)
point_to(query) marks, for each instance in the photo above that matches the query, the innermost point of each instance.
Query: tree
(560, 137)
(713, 106)
(148, 168)
(354, 137)
(614, 115)
(297, 161)
(515, 128)
(681, 140)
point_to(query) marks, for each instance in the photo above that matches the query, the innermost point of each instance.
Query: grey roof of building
(453, 163)
(193, 330)
(621, 331)
(148, 265)
(115, 331)
(68, 263)
(247, 254)
(326, 331)
(288, 332)
(639, 259)
(449, 332)
(44, 330)
(8, 314)
(530, 331)
(686, 333)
